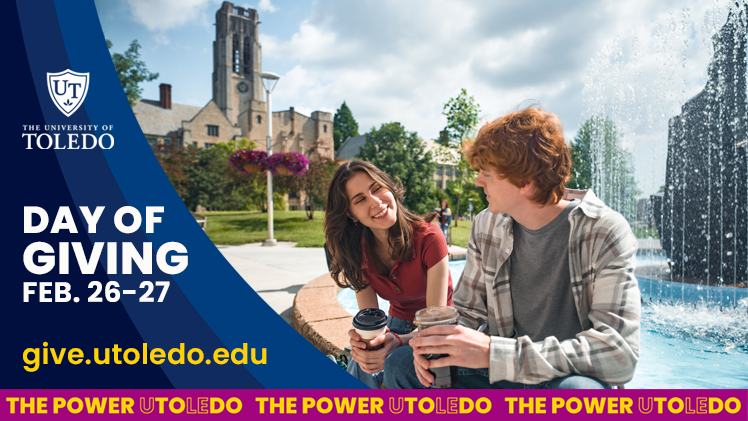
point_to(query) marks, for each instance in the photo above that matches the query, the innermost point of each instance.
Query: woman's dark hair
(343, 236)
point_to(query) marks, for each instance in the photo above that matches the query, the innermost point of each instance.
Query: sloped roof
(159, 121)
(351, 147)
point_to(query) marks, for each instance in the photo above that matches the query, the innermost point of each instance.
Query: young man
(550, 272)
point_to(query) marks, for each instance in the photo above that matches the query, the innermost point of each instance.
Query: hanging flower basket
(248, 162)
(252, 168)
(287, 163)
(282, 171)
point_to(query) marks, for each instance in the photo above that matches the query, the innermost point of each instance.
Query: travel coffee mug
(434, 316)
(370, 323)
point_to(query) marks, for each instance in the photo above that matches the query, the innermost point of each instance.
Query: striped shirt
(602, 252)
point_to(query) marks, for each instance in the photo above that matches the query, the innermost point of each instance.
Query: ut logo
(68, 89)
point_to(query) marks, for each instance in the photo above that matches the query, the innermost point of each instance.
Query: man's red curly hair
(525, 146)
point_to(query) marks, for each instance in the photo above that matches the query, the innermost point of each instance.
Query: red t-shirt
(405, 287)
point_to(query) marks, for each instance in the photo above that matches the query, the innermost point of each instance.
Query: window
(247, 51)
(212, 130)
(438, 184)
(293, 194)
(324, 128)
(209, 145)
(259, 119)
(235, 48)
(152, 142)
(449, 171)
(194, 143)
(293, 207)
(438, 172)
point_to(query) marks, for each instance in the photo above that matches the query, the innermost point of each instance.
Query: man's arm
(469, 296)
(609, 350)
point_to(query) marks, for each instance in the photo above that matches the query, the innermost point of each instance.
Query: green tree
(462, 118)
(213, 183)
(131, 70)
(242, 185)
(600, 162)
(581, 156)
(257, 188)
(479, 198)
(464, 192)
(174, 161)
(205, 177)
(437, 195)
(314, 183)
(343, 125)
(403, 156)
(228, 147)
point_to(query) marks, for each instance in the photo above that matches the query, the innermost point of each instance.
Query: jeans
(445, 230)
(399, 373)
(374, 381)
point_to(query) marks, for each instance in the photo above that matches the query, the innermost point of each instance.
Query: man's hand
(371, 361)
(465, 347)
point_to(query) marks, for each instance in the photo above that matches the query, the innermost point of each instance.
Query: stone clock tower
(237, 87)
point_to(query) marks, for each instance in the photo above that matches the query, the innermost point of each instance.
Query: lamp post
(268, 82)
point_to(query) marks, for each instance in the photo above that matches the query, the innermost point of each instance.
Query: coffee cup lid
(370, 319)
(436, 315)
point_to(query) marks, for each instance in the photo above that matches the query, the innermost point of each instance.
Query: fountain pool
(689, 344)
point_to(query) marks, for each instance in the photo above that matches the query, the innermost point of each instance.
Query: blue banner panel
(109, 281)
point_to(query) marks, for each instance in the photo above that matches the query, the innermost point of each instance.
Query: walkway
(278, 273)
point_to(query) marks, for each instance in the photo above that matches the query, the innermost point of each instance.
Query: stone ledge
(319, 317)
(324, 281)
(329, 336)
(316, 304)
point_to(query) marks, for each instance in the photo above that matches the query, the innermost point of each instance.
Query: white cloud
(161, 39)
(401, 61)
(266, 6)
(166, 14)
(636, 61)
(310, 43)
(643, 79)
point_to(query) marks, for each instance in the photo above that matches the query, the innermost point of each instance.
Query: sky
(636, 61)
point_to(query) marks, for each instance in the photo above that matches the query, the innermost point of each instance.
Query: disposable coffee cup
(370, 323)
(434, 316)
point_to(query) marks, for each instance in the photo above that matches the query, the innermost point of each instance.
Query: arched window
(235, 49)
(259, 119)
(247, 59)
(324, 128)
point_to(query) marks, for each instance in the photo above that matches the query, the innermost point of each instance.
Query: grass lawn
(232, 228)
(461, 233)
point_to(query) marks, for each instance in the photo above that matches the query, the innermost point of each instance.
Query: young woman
(379, 248)
(445, 216)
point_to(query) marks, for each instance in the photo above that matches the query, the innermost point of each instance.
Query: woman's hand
(372, 361)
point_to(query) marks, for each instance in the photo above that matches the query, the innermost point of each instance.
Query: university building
(237, 108)
(446, 165)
